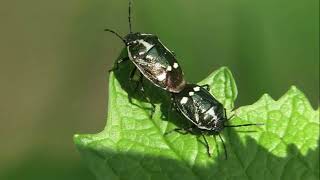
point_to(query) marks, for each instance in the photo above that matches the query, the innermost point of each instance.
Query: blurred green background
(55, 56)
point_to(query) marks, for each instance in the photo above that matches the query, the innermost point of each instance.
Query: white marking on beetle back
(196, 115)
(191, 93)
(196, 89)
(146, 34)
(147, 45)
(141, 53)
(149, 57)
(175, 65)
(169, 68)
(162, 76)
(158, 65)
(184, 100)
(213, 114)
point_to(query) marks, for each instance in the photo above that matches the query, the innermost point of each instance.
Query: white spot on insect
(184, 100)
(196, 115)
(196, 89)
(169, 68)
(162, 76)
(212, 114)
(149, 57)
(146, 34)
(175, 65)
(191, 93)
(157, 65)
(141, 52)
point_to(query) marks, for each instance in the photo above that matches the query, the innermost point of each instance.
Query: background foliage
(54, 55)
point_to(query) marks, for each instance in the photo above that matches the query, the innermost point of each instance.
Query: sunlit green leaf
(133, 146)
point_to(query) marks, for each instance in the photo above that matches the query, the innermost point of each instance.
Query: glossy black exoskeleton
(205, 112)
(156, 62)
(200, 108)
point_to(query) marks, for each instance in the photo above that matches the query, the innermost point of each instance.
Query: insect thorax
(139, 44)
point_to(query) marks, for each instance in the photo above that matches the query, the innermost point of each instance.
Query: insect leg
(240, 125)
(181, 130)
(224, 147)
(133, 71)
(225, 115)
(206, 86)
(207, 144)
(145, 97)
(217, 147)
(119, 62)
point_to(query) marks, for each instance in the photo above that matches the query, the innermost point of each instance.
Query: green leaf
(133, 146)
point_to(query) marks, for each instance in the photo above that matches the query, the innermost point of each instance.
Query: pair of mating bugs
(159, 65)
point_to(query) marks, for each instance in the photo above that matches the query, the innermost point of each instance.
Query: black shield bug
(155, 62)
(205, 112)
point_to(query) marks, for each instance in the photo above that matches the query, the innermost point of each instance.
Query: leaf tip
(266, 98)
(81, 140)
(222, 70)
(226, 70)
(294, 89)
(77, 139)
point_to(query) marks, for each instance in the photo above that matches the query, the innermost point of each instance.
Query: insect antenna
(113, 32)
(129, 17)
(229, 117)
(240, 125)
(224, 147)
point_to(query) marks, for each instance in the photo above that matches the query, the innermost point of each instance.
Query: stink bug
(155, 62)
(205, 112)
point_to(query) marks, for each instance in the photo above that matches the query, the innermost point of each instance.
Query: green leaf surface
(133, 146)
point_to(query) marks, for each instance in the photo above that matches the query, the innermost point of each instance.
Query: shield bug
(155, 61)
(205, 112)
